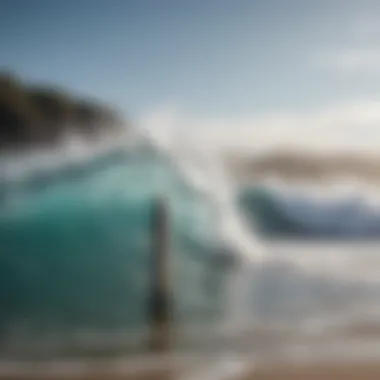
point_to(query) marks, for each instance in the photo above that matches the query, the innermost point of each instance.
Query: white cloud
(365, 25)
(353, 126)
(356, 46)
(350, 60)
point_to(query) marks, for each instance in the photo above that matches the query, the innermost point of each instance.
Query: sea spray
(204, 171)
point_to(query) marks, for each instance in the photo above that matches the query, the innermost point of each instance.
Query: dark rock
(43, 115)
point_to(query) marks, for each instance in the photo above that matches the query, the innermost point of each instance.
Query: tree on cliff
(42, 115)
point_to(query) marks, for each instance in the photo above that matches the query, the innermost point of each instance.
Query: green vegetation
(38, 115)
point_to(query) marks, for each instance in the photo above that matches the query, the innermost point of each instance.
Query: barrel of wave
(76, 256)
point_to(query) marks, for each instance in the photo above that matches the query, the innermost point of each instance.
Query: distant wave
(285, 213)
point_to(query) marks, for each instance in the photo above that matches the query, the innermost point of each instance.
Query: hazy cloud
(349, 60)
(352, 126)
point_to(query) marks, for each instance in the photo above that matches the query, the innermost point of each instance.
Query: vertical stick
(160, 307)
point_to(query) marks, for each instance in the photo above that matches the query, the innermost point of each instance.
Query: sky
(247, 74)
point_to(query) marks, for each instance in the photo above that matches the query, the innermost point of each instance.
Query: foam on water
(203, 169)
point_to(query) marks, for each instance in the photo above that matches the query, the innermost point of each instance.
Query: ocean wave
(310, 212)
(76, 251)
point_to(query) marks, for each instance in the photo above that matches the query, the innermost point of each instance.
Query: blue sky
(226, 64)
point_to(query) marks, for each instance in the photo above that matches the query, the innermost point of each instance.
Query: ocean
(256, 270)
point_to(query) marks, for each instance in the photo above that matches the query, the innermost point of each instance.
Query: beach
(362, 370)
(328, 371)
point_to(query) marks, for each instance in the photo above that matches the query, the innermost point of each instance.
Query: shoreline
(353, 350)
(347, 370)
(366, 370)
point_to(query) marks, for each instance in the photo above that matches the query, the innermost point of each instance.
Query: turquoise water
(76, 250)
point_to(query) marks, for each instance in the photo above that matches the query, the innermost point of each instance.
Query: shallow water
(316, 300)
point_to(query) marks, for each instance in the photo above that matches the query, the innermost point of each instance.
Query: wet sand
(327, 371)
(98, 375)
(321, 371)
(328, 366)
